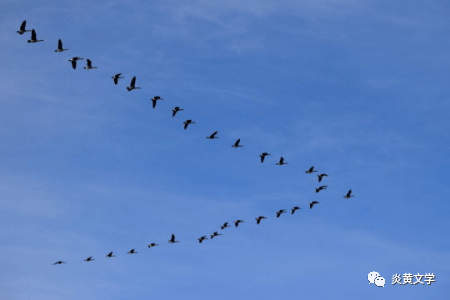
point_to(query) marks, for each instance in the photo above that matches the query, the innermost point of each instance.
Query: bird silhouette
(132, 85)
(59, 262)
(154, 99)
(215, 233)
(213, 136)
(281, 211)
(89, 259)
(311, 170)
(281, 162)
(263, 156)
(236, 144)
(348, 195)
(74, 61)
(175, 110)
(172, 239)
(320, 176)
(34, 38)
(323, 187)
(294, 209)
(225, 225)
(89, 65)
(186, 123)
(258, 219)
(110, 254)
(201, 239)
(22, 29)
(236, 223)
(60, 47)
(132, 251)
(312, 204)
(116, 78)
(152, 245)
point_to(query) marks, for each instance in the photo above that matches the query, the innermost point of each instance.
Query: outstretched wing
(24, 24)
(33, 35)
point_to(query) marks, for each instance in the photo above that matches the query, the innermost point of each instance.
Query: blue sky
(356, 88)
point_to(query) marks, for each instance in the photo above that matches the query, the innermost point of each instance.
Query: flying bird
(59, 262)
(236, 223)
(348, 195)
(281, 211)
(22, 29)
(132, 85)
(116, 78)
(312, 204)
(258, 219)
(154, 99)
(34, 38)
(172, 239)
(294, 209)
(60, 47)
(213, 135)
(320, 176)
(201, 239)
(215, 233)
(263, 156)
(132, 251)
(89, 65)
(175, 110)
(74, 61)
(186, 123)
(322, 187)
(311, 170)
(110, 254)
(236, 144)
(89, 259)
(281, 162)
(153, 245)
(225, 225)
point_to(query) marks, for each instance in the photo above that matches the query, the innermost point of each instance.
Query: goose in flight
(258, 219)
(175, 110)
(236, 223)
(201, 239)
(312, 204)
(322, 187)
(186, 123)
(281, 162)
(132, 85)
(59, 262)
(116, 78)
(236, 144)
(225, 225)
(348, 195)
(153, 245)
(89, 259)
(74, 61)
(22, 29)
(34, 38)
(294, 209)
(110, 254)
(172, 239)
(281, 211)
(89, 65)
(60, 47)
(320, 176)
(311, 170)
(215, 233)
(213, 136)
(263, 156)
(154, 99)
(132, 251)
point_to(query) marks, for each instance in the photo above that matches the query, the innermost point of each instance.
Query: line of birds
(173, 240)
(186, 123)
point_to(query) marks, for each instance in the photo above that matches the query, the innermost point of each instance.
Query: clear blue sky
(358, 89)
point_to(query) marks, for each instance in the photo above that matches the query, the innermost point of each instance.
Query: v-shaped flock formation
(175, 110)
